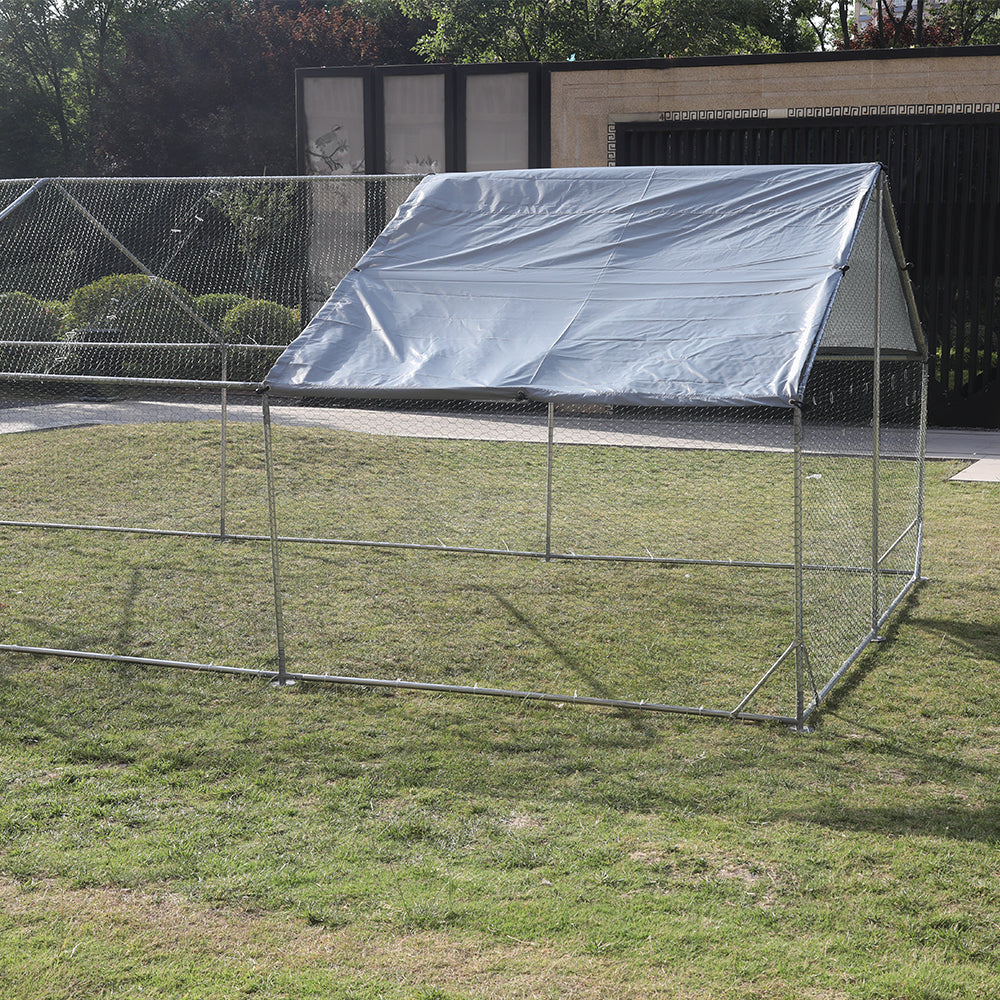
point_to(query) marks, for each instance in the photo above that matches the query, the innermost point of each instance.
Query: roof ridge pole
(877, 408)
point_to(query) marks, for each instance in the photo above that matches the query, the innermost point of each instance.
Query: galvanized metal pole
(877, 410)
(19, 201)
(272, 518)
(548, 483)
(921, 468)
(800, 644)
(222, 447)
(192, 314)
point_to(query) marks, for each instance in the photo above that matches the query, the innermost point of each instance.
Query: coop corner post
(272, 518)
(921, 469)
(548, 481)
(800, 646)
(877, 413)
(224, 401)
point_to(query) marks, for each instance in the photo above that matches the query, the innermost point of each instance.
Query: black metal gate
(944, 176)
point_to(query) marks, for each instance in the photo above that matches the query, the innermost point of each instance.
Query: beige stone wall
(585, 101)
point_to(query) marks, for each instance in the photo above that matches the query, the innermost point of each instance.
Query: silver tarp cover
(640, 286)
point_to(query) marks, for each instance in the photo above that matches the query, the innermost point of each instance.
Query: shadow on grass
(979, 640)
(596, 684)
(948, 821)
(869, 662)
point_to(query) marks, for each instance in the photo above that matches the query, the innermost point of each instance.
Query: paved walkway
(981, 448)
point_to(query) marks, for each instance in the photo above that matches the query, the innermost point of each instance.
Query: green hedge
(136, 307)
(213, 307)
(257, 321)
(23, 317)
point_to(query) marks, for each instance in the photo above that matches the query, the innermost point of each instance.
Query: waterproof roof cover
(637, 286)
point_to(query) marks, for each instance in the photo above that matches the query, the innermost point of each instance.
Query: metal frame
(808, 695)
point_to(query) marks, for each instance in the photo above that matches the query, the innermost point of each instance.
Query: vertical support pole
(800, 644)
(877, 408)
(548, 482)
(272, 519)
(921, 468)
(222, 444)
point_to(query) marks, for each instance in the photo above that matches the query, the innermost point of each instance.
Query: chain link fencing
(153, 512)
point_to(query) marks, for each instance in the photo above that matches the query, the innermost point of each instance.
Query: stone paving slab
(986, 470)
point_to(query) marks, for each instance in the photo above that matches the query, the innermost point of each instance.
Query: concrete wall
(585, 101)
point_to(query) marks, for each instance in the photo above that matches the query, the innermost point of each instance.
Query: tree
(554, 30)
(210, 90)
(887, 28)
(397, 32)
(28, 145)
(63, 52)
(971, 22)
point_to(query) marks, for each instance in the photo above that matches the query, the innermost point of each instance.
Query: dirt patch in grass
(165, 922)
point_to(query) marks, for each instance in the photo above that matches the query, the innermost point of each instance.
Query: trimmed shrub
(135, 307)
(258, 321)
(213, 307)
(23, 317)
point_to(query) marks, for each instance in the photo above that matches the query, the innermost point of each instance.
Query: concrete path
(981, 448)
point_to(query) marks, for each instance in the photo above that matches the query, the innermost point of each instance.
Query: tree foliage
(60, 57)
(888, 28)
(917, 23)
(554, 30)
(174, 87)
(211, 90)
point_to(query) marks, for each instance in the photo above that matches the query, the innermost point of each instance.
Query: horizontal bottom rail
(455, 549)
(399, 684)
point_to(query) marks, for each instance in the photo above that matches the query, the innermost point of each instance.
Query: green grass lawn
(172, 834)
(680, 634)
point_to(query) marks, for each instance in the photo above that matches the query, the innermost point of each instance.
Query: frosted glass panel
(414, 124)
(496, 121)
(334, 113)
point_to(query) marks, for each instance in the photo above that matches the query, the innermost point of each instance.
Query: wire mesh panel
(123, 499)
(205, 278)
(649, 552)
(625, 555)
